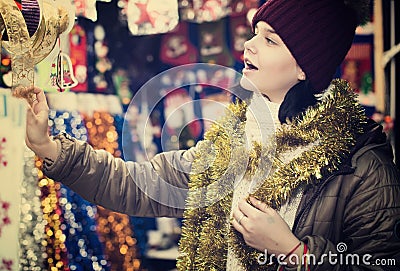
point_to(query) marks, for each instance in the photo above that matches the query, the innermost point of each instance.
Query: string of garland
(114, 228)
(31, 231)
(329, 129)
(57, 257)
(85, 252)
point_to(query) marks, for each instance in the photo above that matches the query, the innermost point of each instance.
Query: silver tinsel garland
(31, 234)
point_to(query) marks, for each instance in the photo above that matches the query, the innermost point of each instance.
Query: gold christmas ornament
(27, 51)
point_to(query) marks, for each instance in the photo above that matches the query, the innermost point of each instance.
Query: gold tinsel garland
(56, 250)
(329, 129)
(114, 228)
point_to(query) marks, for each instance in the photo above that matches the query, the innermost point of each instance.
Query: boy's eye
(269, 41)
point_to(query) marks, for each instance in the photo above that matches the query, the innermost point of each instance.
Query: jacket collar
(372, 138)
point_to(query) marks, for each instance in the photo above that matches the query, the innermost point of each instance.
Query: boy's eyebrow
(270, 30)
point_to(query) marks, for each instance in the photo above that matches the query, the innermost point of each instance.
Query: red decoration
(78, 54)
(3, 161)
(144, 15)
(6, 265)
(4, 218)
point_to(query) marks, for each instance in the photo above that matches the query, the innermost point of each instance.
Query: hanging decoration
(12, 19)
(139, 132)
(56, 250)
(5, 69)
(12, 135)
(3, 159)
(78, 54)
(241, 7)
(32, 224)
(212, 45)
(114, 228)
(176, 48)
(357, 70)
(47, 71)
(4, 217)
(31, 12)
(240, 32)
(85, 252)
(27, 51)
(62, 76)
(6, 264)
(121, 83)
(103, 64)
(146, 17)
(214, 102)
(183, 127)
(200, 11)
(86, 9)
(143, 60)
(138, 135)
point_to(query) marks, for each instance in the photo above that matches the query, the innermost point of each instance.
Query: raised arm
(154, 188)
(37, 137)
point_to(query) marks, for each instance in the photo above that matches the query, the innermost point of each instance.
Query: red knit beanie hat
(318, 33)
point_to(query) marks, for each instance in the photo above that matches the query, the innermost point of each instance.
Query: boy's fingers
(31, 116)
(40, 95)
(37, 90)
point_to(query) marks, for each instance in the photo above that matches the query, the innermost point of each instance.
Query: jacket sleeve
(154, 188)
(371, 223)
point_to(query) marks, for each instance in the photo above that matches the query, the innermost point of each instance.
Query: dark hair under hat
(318, 33)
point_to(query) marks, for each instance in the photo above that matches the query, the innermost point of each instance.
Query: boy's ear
(301, 75)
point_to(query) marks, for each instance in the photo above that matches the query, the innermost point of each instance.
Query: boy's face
(269, 66)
